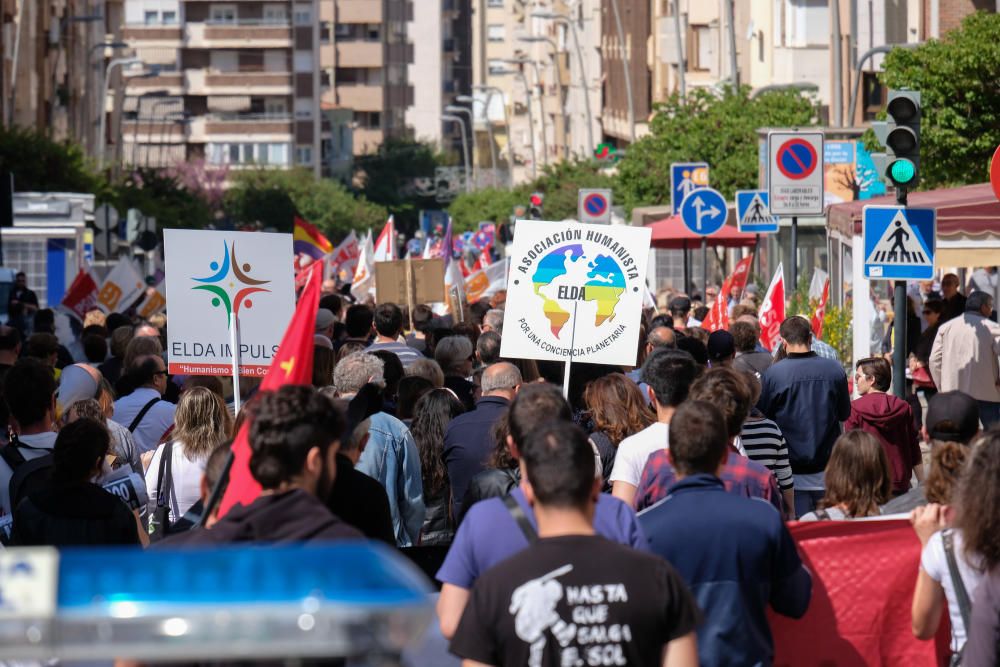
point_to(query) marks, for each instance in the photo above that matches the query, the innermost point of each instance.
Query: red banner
(772, 310)
(718, 316)
(864, 573)
(817, 318)
(81, 296)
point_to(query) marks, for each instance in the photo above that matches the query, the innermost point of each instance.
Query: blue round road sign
(797, 159)
(595, 204)
(704, 211)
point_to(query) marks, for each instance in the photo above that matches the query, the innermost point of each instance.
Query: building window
(325, 30)
(494, 3)
(303, 15)
(806, 23)
(373, 32)
(276, 107)
(222, 14)
(702, 48)
(497, 66)
(324, 78)
(151, 18)
(275, 14)
(374, 120)
(169, 18)
(496, 32)
(343, 30)
(304, 155)
(270, 153)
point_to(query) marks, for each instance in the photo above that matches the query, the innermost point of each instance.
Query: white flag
(484, 283)
(816, 285)
(363, 284)
(385, 245)
(122, 286)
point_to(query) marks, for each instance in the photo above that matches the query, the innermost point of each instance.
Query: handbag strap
(142, 413)
(520, 518)
(164, 477)
(964, 604)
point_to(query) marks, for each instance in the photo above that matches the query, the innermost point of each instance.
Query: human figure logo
(231, 283)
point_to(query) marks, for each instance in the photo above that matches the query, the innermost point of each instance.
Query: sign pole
(687, 270)
(409, 293)
(755, 267)
(899, 325)
(795, 252)
(234, 346)
(704, 267)
(572, 349)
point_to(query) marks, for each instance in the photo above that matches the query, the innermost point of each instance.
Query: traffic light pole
(899, 325)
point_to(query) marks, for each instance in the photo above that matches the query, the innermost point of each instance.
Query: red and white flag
(81, 297)
(385, 245)
(817, 318)
(363, 284)
(718, 316)
(343, 261)
(772, 310)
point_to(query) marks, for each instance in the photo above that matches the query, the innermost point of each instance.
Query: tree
(960, 99)
(270, 198)
(160, 195)
(40, 164)
(387, 178)
(717, 128)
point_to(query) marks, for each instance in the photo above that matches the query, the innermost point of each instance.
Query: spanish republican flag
(307, 240)
(291, 365)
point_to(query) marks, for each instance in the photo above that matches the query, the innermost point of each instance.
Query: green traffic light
(902, 172)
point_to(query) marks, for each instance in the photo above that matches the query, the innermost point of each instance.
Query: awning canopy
(673, 234)
(968, 222)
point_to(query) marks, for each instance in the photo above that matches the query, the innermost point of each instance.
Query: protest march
(579, 468)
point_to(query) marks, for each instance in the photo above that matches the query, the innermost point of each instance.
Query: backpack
(28, 475)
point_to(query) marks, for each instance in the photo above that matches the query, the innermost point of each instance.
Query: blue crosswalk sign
(899, 242)
(704, 211)
(752, 213)
(685, 178)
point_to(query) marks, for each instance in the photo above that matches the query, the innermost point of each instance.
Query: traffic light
(900, 133)
(535, 209)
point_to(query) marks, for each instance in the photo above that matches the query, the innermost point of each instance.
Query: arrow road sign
(704, 211)
(899, 242)
(752, 213)
(685, 178)
(594, 206)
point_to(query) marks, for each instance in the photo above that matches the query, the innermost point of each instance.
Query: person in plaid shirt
(727, 390)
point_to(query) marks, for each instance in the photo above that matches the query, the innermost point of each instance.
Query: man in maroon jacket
(888, 418)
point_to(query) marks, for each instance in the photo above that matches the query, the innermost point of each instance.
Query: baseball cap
(324, 319)
(721, 345)
(680, 304)
(952, 416)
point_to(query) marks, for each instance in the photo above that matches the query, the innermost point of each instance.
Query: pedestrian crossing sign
(899, 242)
(752, 213)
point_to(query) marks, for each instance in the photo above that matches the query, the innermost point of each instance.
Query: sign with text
(795, 173)
(575, 291)
(215, 277)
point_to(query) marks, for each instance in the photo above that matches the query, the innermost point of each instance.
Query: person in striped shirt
(761, 440)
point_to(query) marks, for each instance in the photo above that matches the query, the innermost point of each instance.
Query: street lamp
(531, 115)
(541, 98)
(561, 18)
(102, 132)
(138, 120)
(530, 39)
(89, 108)
(455, 109)
(468, 99)
(490, 90)
(465, 146)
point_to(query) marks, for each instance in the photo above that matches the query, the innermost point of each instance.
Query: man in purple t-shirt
(489, 533)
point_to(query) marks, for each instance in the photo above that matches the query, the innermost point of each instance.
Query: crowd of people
(639, 519)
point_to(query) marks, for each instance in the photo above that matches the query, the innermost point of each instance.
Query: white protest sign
(557, 269)
(211, 276)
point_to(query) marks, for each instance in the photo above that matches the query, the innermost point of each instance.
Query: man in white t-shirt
(668, 375)
(29, 389)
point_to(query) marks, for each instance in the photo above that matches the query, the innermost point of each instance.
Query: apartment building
(280, 83)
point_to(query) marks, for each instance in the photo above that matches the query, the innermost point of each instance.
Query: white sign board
(594, 206)
(211, 276)
(575, 291)
(795, 173)
(29, 580)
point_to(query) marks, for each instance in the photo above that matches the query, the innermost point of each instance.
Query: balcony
(149, 34)
(271, 127)
(367, 140)
(263, 34)
(358, 54)
(359, 97)
(172, 82)
(210, 82)
(359, 11)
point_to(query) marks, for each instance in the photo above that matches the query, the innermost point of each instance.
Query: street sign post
(106, 222)
(594, 206)
(899, 242)
(685, 178)
(704, 212)
(752, 213)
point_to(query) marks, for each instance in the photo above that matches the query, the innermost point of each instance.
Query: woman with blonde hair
(201, 422)
(858, 480)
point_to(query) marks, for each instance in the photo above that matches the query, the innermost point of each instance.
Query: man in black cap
(721, 348)
(951, 417)
(680, 308)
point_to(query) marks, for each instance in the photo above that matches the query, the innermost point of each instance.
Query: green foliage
(387, 178)
(161, 196)
(799, 302)
(269, 198)
(957, 80)
(40, 164)
(720, 129)
(559, 183)
(837, 330)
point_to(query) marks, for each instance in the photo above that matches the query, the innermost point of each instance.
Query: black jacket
(361, 502)
(437, 528)
(292, 516)
(80, 514)
(492, 483)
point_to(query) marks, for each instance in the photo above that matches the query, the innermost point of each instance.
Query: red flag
(817, 318)
(81, 295)
(291, 365)
(772, 310)
(718, 316)
(864, 573)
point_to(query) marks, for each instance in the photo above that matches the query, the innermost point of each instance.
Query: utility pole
(731, 20)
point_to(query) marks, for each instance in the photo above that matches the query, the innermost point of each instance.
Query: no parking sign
(795, 173)
(594, 206)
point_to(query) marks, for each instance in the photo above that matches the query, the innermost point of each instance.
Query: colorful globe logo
(566, 275)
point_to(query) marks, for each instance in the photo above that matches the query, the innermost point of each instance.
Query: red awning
(671, 233)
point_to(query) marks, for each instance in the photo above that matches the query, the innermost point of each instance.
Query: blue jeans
(989, 413)
(806, 501)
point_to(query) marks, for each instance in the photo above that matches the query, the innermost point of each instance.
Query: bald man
(468, 441)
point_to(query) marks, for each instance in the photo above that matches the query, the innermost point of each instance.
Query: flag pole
(234, 346)
(572, 349)
(409, 292)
